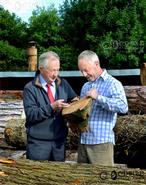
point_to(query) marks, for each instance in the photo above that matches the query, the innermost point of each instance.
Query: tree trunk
(29, 172)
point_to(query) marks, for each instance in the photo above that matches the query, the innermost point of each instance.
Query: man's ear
(96, 62)
(40, 68)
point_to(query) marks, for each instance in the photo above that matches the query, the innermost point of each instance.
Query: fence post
(143, 74)
(32, 56)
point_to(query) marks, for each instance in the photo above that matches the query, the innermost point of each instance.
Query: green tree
(13, 34)
(114, 29)
(12, 29)
(43, 27)
(12, 58)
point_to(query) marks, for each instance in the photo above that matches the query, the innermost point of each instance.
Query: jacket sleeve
(35, 112)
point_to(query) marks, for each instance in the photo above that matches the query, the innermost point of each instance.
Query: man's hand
(92, 93)
(59, 104)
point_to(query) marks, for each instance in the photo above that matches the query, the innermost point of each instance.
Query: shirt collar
(44, 83)
(104, 74)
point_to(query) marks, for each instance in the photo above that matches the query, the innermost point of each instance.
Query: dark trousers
(45, 150)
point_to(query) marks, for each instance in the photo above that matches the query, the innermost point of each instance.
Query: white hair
(43, 59)
(89, 56)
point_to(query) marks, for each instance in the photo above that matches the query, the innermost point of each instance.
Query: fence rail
(114, 72)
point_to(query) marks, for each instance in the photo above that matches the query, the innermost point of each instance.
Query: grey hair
(89, 56)
(43, 59)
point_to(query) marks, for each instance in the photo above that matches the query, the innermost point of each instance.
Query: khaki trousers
(100, 154)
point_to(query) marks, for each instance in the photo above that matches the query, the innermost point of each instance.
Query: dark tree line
(115, 29)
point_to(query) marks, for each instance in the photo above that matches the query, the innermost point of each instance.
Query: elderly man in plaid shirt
(97, 143)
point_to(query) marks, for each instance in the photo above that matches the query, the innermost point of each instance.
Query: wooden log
(26, 172)
(77, 114)
(15, 133)
(136, 96)
(11, 107)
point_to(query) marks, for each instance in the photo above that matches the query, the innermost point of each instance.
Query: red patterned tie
(50, 95)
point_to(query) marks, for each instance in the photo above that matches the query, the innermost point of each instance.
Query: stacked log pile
(8, 111)
(11, 107)
(26, 172)
(130, 148)
(130, 131)
(136, 96)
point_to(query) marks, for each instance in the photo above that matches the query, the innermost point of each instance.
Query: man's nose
(56, 73)
(84, 73)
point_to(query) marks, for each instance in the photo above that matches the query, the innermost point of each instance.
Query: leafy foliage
(114, 29)
(43, 27)
(12, 29)
(11, 58)
(13, 41)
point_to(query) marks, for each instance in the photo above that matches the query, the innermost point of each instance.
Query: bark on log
(15, 133)
(136, 96)
(26, 172)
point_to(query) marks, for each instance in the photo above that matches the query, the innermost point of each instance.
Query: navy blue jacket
(41, 121)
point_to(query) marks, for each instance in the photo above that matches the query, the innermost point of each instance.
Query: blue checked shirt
(110, 101)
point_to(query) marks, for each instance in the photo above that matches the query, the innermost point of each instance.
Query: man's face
(51, 72)
(88, 69)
